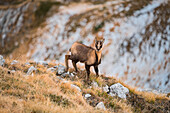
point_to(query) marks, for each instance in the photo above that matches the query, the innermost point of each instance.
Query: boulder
(100, 105)
(119, 90)
(2, 61)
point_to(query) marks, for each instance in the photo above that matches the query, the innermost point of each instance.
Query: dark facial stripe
(97, 44)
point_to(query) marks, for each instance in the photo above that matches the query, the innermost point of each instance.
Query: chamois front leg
(96, 70)
(88, 71)
(67, 57)
(74, 64)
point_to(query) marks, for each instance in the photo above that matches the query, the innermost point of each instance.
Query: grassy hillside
(44, 91)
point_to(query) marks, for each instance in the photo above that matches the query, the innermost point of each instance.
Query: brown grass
(44, 92)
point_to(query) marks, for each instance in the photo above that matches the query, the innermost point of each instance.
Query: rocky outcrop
(14, 19)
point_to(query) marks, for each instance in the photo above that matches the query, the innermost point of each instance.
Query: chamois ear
(96, 39)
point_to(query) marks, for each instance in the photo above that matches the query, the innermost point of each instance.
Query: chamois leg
(88, 71)
(96, 70)
(67, 57)
(74, 64)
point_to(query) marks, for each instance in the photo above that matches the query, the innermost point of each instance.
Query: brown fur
(85, 54)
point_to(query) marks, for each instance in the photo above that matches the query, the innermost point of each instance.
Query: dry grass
(44, 92)
(148, 96)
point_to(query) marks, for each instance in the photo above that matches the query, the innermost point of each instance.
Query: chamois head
(99, 42)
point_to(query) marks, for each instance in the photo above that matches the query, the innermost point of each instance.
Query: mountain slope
(43, 91)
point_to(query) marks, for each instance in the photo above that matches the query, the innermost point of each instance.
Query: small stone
(30, 70)
(106, 88)
(61, 69)
(119, 90)
(87, 96)
(100, 105)
(14, 62)
(94, 84)
(2, 61)
(76, 87)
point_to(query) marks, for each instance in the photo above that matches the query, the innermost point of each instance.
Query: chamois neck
(99, 54)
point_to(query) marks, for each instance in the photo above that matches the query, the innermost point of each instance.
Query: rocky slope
(27, 86)
(137, 38)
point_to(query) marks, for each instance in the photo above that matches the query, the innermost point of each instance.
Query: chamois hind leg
(96, 70)
(88, 71)
(67, 57)
(74, 64)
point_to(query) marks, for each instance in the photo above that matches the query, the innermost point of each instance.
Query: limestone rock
(61, 69)
(87, 96)
(2, 61)
(76, 87)
(30, 70)
(119, 90)
(14, 62)
(106, 88)
(100, 105)
(94, 84)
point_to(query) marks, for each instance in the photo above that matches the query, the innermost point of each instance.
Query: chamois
(86, 54)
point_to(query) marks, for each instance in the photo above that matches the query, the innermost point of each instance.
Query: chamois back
(83, 53)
